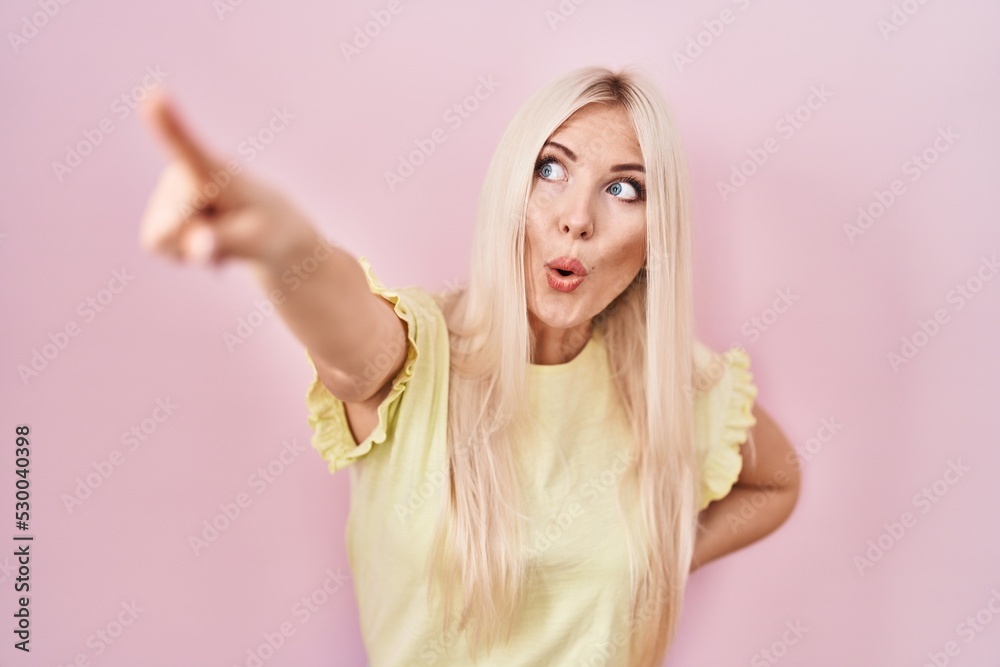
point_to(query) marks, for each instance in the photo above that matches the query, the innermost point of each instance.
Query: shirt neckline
(588, 349)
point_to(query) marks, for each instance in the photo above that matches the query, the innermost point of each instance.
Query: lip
(563, 283)
(568, 264)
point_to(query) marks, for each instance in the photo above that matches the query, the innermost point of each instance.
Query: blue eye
(629, 187)
(549, 169)
(628, 190)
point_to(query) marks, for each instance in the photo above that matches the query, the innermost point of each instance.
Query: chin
(555, 315)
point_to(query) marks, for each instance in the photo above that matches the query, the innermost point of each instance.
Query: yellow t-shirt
(576, 607)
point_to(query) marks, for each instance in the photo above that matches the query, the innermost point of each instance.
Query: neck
(553, 345)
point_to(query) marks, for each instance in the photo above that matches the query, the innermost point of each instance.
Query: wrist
(294, 240)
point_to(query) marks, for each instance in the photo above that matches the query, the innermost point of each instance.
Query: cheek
(637, 240)
(534, 221)
(530, 237)
(533, 215)
(626, 258)
(541, 201)
(637, 247)
(532, 248)
(630, 247)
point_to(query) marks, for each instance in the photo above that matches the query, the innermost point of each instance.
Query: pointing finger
(166, 122)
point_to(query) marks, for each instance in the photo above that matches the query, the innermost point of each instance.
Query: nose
(577, 219)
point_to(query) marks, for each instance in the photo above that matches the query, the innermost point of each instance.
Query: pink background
(824, 358)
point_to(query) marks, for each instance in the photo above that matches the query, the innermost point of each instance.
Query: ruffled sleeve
(723, 405)
(332, 436)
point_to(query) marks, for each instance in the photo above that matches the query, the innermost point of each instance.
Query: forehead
(600, 131)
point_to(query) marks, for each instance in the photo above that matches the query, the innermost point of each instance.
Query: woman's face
(587, 203)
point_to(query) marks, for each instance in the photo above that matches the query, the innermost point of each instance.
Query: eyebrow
(618, 167)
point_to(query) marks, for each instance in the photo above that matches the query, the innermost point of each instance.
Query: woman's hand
(205, 210)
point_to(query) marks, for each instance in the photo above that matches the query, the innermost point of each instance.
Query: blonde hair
(479, 536)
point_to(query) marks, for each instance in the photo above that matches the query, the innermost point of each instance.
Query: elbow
(346, 387)
(792, 487)
(793, 496)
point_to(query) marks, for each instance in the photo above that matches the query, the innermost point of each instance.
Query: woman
(538, 459)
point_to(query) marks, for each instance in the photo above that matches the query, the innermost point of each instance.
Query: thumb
(199, 244)
(226, 235)
(165, 121)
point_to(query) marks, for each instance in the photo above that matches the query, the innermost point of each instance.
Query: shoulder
(408, 399)
(413, 303)
(712, 368)
(724, 396)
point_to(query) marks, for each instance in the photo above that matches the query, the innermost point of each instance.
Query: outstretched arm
(206, 209)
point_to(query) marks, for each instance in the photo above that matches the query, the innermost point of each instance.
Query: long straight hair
(477, 550)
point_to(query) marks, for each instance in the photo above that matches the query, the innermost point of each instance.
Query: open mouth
(567, 266)
(563, 280)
